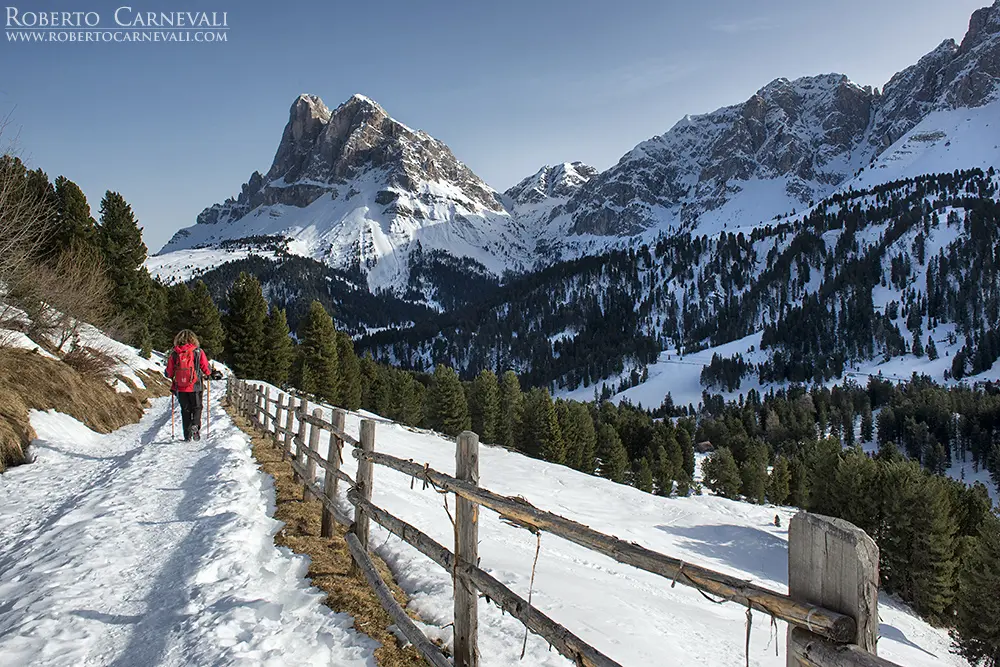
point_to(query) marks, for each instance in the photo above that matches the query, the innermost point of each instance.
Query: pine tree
(580, 437)
(540, 433)
(244, 327)
(74, 226)
(932, 352)
(822, 459)
(614, 458)
(123, 253)
(644, 480)
(349, 373)
(448, 410)
(206, 321)
(665, 472)
(779, 481)
(753, 477)
(899, 484)
(180, 305)
(687, 451)
(369, 377)
(721, 474)
(977, 606)
(932, 563)
(318, 365)
(279, 347)
(511, 406)
(798, 483)
(484, 406)
(867, 425)
(855, 486)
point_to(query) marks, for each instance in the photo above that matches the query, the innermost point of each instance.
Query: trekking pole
(171, 416)
(208, 408)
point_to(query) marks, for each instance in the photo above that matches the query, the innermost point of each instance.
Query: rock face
(356, 188)
(804, 137)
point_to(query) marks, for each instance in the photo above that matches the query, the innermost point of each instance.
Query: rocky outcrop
(354, 187)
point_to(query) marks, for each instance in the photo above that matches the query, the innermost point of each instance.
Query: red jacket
(206, 370)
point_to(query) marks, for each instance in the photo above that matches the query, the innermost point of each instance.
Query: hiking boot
(197, 434)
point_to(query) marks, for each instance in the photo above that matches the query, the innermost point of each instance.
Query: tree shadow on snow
(887, 631)
(757, 552)
(169, 597)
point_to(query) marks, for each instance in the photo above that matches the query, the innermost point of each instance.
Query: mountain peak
(551, 181)
(358, 101)
(984, 23)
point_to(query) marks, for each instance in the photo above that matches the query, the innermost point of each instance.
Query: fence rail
(831, 607)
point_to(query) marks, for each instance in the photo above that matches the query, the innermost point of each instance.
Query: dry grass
(29, 381)
(330, 567)
(91, 362)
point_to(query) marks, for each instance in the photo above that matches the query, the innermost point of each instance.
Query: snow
(965, 472)
(632, 616)
(130, 549)
(341, 229)
(184, 265)
(20, 340)
(945, 140)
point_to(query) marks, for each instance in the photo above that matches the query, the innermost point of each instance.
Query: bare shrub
(60, 298)
(91, 362)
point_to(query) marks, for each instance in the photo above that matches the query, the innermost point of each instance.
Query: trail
(132, 549)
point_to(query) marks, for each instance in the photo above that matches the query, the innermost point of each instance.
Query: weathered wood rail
(831, 608)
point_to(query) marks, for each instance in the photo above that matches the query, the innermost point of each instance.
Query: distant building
(704, 447)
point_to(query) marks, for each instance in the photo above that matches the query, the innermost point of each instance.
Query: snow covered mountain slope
(130, 549)
(634, 617)
(361, 191)
(945, 140)
(792, 143)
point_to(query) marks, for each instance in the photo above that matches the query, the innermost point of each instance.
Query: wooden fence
(831, 608)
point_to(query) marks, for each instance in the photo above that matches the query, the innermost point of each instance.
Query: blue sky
(509, 85)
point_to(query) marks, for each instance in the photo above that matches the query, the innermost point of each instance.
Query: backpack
(187, 374)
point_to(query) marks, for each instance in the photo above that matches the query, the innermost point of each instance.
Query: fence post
(833, 564)
(300, 435)
(466, 551)
(333, 457)
(286, 450)
(261, 411)
(366, 470)
(266, 417)
(277, 417)
(314, 448)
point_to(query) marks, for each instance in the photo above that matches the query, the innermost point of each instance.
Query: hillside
(844, 287)
(92, 377)
(632, 616)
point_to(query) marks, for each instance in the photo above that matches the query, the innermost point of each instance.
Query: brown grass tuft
(330, 566)
(91, 362)
(29, 381)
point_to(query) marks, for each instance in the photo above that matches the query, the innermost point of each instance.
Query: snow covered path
(129, 549)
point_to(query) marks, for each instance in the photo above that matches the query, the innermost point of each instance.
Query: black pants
(190, 403)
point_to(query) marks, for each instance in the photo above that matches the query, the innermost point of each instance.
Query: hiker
(187, 366)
